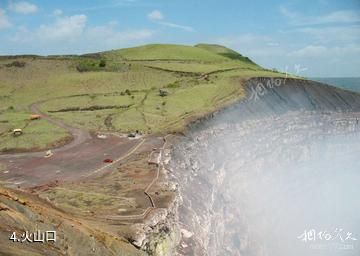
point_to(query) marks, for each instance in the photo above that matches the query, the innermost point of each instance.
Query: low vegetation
(152, 88)
(226, 52)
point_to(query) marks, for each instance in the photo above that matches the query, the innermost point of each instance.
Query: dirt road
(80, 158)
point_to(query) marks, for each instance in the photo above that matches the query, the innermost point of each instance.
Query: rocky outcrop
(159, 233)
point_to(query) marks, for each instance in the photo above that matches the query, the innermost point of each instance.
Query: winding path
(81, 138)
(146, 191)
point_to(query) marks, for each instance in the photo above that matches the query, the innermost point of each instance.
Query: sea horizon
(349, 83)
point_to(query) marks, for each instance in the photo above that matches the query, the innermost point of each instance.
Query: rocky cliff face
(158, 235)
(227, 158)
(294, 94)
(271, 103)
(275, 96)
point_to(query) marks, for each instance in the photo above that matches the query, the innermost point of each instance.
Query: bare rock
(137, 235)
(186, 234)
(156, 216)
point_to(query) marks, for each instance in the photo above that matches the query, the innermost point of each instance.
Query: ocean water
(349, 83)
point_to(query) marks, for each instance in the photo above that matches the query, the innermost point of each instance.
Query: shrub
(173, 85)
(17, 64)
(86, 65)
(163, 93)
(102, 63)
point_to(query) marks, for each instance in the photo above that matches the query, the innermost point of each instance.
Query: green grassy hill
(118, 90)
(165, 52)
(225, 52)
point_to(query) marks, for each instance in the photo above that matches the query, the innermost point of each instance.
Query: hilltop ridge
(199, 52)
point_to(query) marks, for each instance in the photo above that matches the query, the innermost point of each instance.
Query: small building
(17, 132)
(35, 117)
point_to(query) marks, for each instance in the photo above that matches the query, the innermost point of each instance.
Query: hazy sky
(314, 38)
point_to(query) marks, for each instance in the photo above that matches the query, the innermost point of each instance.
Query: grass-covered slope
(225, 52)
(202, 58)
(117, 90)
(165, 52)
